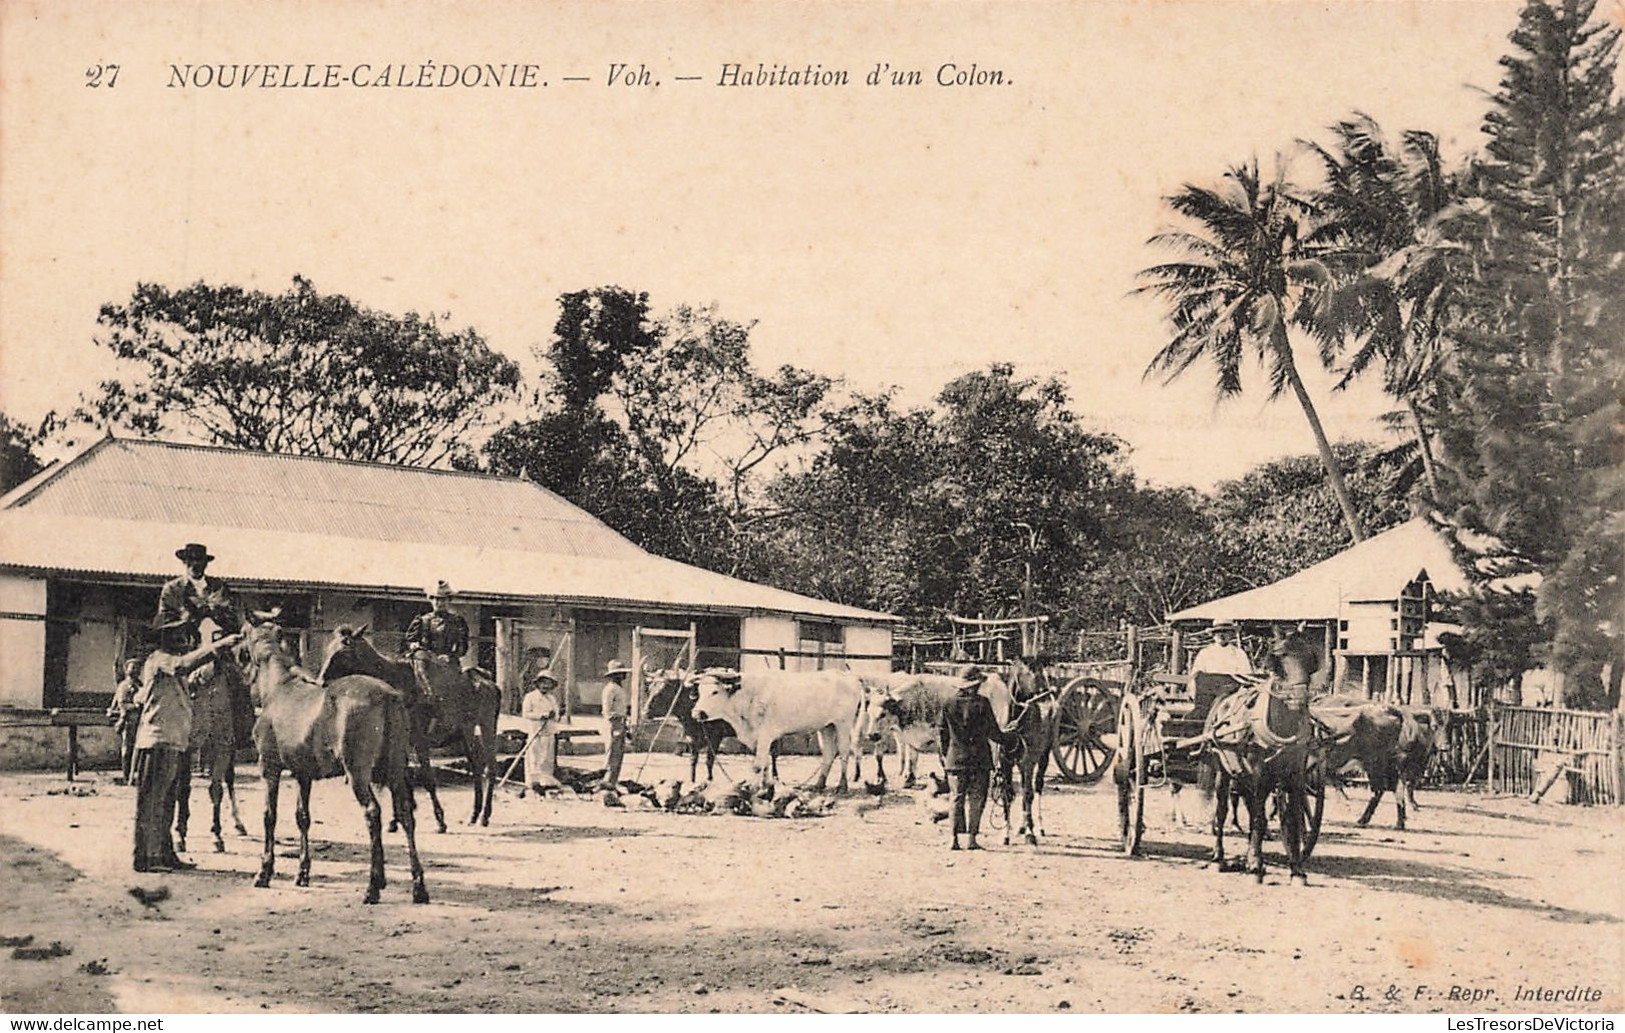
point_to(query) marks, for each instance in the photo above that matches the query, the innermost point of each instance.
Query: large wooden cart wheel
(1085, 729)
(1129, 771)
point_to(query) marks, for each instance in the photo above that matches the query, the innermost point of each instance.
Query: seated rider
(439, 636)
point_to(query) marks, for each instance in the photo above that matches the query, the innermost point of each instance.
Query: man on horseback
(436, 642)
(195, 596)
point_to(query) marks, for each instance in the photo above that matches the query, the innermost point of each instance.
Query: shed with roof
(86, 543)
(1369, 607)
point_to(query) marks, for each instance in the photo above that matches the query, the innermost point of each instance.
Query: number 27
(94, 74)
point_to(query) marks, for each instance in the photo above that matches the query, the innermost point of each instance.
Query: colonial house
(85, 544)
(1368, 608)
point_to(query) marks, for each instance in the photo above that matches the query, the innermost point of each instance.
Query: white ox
(909, 707)
(765, 705)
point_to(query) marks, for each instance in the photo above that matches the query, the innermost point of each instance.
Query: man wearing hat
(616, 705)
(439, 636)
(195, 595)
(162, 740)
(541, 708)
(1223, 655)
(965, 734)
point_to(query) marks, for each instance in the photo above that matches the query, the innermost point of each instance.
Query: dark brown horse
(1258, 740)
(215, 687)
(355, 726)
(463, 713)
(1034, 714)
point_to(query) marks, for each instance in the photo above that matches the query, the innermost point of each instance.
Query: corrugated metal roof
(1377, 568)
(123, 507)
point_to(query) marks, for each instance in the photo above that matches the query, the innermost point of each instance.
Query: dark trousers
(156, 771)
(129, 724)
(617, 750)
(970, 797)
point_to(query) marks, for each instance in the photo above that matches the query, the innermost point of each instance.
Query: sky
(894, 236)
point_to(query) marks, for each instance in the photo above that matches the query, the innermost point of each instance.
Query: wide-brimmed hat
(969, 676)
(439, 590)
(544, 676)
(616, 667)
(193, 551)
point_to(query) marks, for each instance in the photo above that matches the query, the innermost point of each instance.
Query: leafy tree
(297, 372)
(1242, 277)
(1280, 518)
(1383, 229)
(992, 501)
(1531, 445)
(17, 459)
(662, 427)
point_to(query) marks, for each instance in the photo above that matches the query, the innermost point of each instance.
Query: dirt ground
(566, 906)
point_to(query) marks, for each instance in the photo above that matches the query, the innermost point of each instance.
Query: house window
(1342, 625)
(822, 644)
(1343, 643)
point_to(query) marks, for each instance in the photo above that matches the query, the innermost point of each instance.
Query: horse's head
(349, 651)
(1292, 658)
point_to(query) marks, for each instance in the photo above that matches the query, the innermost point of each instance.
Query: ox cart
(1160, 742)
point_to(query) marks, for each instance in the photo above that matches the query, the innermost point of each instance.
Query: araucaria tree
(297, 372)
(1532, 445)
(1240, 281)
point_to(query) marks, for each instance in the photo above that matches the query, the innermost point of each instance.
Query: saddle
(1271, 713)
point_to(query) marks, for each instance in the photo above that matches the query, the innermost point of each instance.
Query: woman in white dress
(541, 708)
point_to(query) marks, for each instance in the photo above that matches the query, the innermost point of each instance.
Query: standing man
(1223, 655)
(541, 709)
(616, 705)
(127, 717)
(439, 637)
(965, 734)
(162, 740)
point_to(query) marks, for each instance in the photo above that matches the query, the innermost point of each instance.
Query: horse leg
(301, 815)
(713, 741)
(404, 806)
(183, 803)
(488, 757)
(1292, 813)
(472, 754)
(1221, 814)
(694, 759)
(420, 746)
(1258, 795)
(1029, 784)
(1007, 791)
(217, 792)
(230, 772)
(273, 782)
(361, 785)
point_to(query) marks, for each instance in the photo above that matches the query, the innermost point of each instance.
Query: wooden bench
(71, 718)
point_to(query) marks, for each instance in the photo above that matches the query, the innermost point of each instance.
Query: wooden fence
(1531, 747)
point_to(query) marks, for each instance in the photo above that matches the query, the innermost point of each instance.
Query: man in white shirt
(1223, 655)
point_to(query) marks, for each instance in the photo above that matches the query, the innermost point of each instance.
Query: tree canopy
(298, 372)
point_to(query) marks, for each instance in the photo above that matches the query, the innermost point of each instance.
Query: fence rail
(1540, 748)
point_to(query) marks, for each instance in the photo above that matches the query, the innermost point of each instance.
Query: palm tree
(1383, 232)
(1239, 282)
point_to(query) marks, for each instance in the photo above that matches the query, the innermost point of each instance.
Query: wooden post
(73, 752)
(1176, 654)
(570, 689)
(1133, 643)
